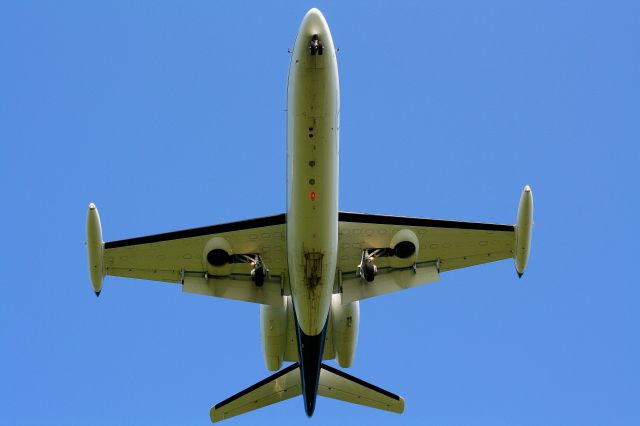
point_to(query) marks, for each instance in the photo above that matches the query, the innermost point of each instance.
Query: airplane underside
(308, 269)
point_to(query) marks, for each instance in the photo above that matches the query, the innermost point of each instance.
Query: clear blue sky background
(171, 115)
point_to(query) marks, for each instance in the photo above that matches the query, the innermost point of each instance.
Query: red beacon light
(312, 196)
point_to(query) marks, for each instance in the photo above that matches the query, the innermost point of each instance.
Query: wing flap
(235, 287)
(388, 280)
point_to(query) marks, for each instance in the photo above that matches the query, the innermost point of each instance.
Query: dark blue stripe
(416, 221)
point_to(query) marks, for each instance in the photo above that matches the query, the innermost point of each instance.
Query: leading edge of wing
(279, 219)
(416, 221)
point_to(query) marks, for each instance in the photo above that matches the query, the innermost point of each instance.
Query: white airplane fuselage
(313, 116)
(313, 120)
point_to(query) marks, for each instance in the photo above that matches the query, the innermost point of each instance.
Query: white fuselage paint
(313, 120)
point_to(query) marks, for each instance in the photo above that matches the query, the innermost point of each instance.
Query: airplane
(309, 268)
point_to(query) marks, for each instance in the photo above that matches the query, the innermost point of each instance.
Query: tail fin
(337, 384)
(278, 387)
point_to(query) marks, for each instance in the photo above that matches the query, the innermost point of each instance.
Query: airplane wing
(181, 257)
(407, 252)
(440, 245)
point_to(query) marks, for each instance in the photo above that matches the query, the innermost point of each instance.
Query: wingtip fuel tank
(523, 230)
(95, 248)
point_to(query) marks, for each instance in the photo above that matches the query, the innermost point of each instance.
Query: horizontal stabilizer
(337, 384)
(278, 387)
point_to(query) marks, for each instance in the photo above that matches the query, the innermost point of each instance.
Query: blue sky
(170, 115)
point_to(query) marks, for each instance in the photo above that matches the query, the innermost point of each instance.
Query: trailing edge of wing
(388, 280)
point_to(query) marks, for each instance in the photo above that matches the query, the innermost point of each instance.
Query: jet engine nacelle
(216, 257)
(273, 328)
(404, 246)
(346, 319)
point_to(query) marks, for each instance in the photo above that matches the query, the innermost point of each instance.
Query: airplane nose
(314, 23)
